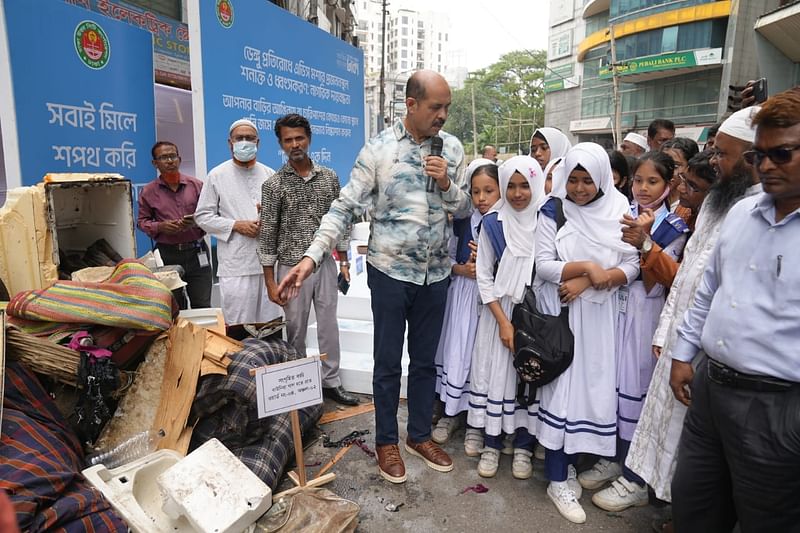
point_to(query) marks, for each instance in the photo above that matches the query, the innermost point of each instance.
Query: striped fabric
(132, 298)
(40, 464)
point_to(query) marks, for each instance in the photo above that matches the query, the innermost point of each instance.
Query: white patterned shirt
(409, 228)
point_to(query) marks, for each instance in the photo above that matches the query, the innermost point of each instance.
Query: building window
(560, 45)
(404, 65)
(669, 39)
(404, 53)
(405, 20)
(404, 41)
(405, 30)
(170, 8)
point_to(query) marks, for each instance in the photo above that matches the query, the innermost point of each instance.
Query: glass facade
(622, 10)
(596, 22)
(692, 36)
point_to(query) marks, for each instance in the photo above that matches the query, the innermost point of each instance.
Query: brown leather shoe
(390, 464)
(432, 454)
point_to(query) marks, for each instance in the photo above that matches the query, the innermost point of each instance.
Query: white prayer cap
(242, 122)
(638, 140)
(740, 124)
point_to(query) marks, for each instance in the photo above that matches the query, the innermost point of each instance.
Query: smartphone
(189, 219)
(343, 284)
(760, 90)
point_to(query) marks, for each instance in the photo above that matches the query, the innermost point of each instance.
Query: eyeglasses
(168, 157)
(689, 185)
(250, 138)
(779, 156)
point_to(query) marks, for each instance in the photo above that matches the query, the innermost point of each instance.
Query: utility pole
(617, 126)
(474, 125)
(382, 102)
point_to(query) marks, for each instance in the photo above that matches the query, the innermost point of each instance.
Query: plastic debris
(393, 508)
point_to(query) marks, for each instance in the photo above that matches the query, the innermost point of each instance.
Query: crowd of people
(675, 266)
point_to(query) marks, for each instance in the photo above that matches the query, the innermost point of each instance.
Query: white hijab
(556, 140)
(558, 176)
(597, 221)
(519, 226)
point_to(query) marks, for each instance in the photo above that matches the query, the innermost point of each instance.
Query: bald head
(420, 83)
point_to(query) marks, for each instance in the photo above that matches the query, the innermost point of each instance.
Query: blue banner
(83, 92)
(261, 62)
(170, 37)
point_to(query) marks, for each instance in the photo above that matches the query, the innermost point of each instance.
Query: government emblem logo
(92, 44)
(225, 13)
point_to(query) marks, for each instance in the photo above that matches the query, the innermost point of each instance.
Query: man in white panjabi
(654, 449)
(228, 209)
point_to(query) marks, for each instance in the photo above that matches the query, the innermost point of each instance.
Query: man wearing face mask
(166, 206)
(228, 209)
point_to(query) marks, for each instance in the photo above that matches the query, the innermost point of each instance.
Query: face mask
(244, 151)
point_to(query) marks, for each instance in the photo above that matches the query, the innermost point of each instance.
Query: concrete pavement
(432, 501)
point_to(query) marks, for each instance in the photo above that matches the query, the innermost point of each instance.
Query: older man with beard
(739, 456)
(653, 452)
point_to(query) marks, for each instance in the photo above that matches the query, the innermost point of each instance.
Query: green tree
(509, 102)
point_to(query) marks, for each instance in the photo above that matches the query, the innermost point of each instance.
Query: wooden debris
(336, 459)
(181, 372)
(333, 416)
(316, 482)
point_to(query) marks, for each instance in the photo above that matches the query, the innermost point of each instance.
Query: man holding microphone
(409, 193)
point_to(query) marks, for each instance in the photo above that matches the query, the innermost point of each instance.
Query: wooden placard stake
(298, 447)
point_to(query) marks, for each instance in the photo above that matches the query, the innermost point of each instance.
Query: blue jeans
(394, 303)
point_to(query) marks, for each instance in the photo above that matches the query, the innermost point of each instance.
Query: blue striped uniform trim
(632, 398)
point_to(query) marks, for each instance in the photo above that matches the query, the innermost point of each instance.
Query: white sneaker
(539, 452)
(620, 495)
(572, 481)
(445, 427)
(521, 467)
(566, 503)
(602, 472)
(473, 442)
(490, 459)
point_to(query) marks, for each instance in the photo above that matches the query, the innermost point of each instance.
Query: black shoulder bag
(544, 345)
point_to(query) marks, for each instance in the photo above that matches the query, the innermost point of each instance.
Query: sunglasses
(779, 156)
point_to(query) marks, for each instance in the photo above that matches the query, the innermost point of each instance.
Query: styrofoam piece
(214, 490)
(132, 491)
(204, 317)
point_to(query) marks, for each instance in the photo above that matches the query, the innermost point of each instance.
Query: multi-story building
(414, 40)
(674, 59)
(778, 45)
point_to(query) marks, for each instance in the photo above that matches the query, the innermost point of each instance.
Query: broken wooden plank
(336, 459)
(333, 416)
(217, 346)
(207, 366)
(181, 372)
(316, 482)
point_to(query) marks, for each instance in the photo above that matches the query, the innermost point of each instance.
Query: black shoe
(339, 395)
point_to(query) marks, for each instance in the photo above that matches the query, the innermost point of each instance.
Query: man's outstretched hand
(289, 286)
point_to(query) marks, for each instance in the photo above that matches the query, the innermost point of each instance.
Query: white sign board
(288, 386)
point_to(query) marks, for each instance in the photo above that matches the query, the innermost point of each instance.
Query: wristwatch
(647, 245)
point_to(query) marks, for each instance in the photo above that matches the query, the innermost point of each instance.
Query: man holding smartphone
(293, 202)
(166, 214)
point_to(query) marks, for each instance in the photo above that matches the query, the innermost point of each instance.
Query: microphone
(437, 143)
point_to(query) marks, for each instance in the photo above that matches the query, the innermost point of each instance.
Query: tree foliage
(509, 101)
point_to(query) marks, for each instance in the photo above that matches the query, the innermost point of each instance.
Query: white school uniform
(578, 410)
(493, 382)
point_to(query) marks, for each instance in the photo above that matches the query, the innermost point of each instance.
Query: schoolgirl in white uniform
(582, 265)
(454, 352)
(504, 267)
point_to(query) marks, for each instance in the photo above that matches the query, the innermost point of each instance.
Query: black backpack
(543, 344)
